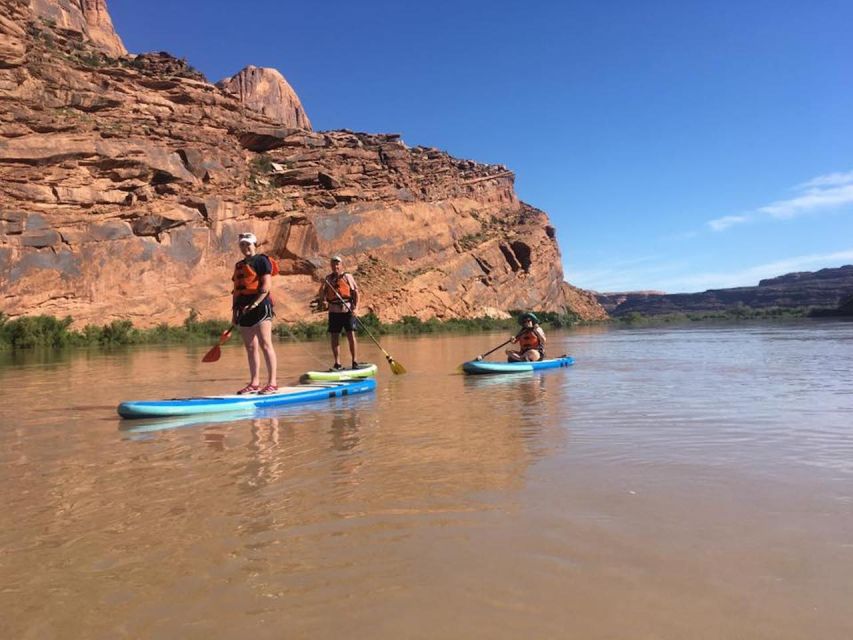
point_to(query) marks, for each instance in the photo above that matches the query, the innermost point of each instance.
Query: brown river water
(692, 482)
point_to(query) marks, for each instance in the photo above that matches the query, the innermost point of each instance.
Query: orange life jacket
(341, 285)
(529, 339)
(246, 280)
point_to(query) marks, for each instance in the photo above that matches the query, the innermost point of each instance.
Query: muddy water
(680, 483)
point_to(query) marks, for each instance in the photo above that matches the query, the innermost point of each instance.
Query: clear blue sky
(677, 145)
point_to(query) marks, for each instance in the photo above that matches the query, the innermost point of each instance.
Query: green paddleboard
(364, 371)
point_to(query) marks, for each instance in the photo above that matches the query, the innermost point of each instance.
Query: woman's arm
(263, 291)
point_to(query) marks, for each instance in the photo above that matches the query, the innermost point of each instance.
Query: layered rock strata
(125, 182)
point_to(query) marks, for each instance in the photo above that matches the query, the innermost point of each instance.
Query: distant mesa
(89, 17)
(612, 299)
(266, 91)
(824, 289)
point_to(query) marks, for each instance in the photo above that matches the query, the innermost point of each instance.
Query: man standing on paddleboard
(340, 292)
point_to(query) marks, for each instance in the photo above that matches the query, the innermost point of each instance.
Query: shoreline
(49, 332)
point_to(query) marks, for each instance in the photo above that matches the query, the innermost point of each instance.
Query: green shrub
(118, 332)
(35, 331)
(261, 164)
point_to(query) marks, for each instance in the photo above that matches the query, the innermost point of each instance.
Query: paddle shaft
(502, 344)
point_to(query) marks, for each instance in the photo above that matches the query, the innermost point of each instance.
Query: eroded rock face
(126, 181)
(266, 91)
(89, 17)
(13, 36)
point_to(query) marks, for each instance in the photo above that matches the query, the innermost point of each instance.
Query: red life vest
(246, 280)
(529, 339)
(340, 285)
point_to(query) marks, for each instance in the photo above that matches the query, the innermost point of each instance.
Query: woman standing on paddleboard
(252, 312)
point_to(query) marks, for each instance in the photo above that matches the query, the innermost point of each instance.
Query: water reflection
(504, 497)
(536, 405)
(135, 427)
(344, 430)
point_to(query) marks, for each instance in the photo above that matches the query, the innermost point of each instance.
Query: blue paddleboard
(484, 367)
(214, 404)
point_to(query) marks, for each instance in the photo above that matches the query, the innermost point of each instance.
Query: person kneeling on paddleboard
(531, 340)
(252, 312)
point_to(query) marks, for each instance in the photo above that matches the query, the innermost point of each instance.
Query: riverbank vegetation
(55, 333)
(736, 313)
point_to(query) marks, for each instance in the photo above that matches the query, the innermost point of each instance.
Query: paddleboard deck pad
(364, 371)
(476, 367)
(297, 394)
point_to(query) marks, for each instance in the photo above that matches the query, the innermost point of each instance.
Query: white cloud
(830, 197)
(720, 224)
(828, 192)
(828, 180)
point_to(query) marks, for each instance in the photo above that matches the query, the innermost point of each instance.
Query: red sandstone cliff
(126, 180)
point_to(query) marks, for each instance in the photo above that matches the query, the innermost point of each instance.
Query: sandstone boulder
(89, 17)
(266, 91)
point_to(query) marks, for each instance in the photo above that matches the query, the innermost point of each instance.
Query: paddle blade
(212, 355)
(396, 368)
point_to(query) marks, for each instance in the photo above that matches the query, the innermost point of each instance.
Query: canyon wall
(126, 180)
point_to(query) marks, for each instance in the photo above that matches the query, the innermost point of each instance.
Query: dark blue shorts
(341, 321)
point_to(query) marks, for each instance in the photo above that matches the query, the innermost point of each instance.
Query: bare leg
(336, 347)
(353, 347)
(250, 341)
(265, 337)
(513, 356)
(532, 355)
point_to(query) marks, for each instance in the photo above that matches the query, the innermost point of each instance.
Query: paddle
(216, 351)
(483, 355)
(502, 344)
(396, 368)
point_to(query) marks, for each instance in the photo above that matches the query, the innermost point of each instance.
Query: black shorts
(341, 321)
(256, 316)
